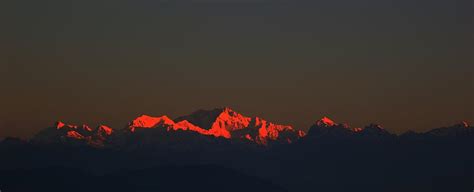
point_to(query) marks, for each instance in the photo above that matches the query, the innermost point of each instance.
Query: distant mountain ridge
(227, 124)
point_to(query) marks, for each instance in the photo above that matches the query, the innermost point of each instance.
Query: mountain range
(227, 124)
(223, 150)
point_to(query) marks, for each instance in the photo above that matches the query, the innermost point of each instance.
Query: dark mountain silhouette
(326, 130)
(222, 150)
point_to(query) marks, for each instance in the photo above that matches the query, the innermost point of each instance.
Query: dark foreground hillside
(438, 165)
(171, 178)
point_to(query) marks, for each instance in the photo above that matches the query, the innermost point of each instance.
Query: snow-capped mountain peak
(146, 121)
(325, 122)
(227, 121)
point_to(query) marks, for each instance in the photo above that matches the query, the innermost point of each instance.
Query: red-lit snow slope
(163, 122)
(221, 122)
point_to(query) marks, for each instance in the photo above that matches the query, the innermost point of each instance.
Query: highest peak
(227, 110)
(232, 117)
(213, 113)
(230, 111)
(326, 122)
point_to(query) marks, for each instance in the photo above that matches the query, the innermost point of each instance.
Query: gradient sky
(406, 64)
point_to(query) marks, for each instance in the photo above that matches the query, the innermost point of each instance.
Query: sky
(405, 64)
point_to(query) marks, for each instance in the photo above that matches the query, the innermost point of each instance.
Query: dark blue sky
(406, 64)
